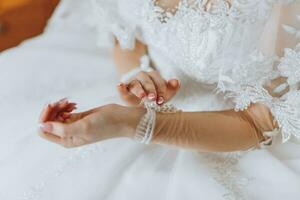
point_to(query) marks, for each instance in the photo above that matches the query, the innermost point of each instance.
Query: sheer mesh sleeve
(249, 82)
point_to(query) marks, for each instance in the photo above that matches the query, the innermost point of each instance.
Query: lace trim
(285, 111)
(290, 62)
(258, 69)
(251, 78)
(193, 31)
(244, 84)
(145, 128)
(289, 67)
(216, 12)
(199, 6)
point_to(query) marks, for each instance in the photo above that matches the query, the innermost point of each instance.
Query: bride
(211, 92)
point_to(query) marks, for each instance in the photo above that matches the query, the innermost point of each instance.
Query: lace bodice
(217, 42)
(198, 40)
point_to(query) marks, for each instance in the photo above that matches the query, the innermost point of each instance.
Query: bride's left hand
(61, 126)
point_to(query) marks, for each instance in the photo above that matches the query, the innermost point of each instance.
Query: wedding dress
(223, 54)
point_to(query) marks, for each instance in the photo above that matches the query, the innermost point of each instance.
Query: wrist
(129, 120)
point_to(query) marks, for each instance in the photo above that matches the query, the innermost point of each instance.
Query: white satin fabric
(66, 61)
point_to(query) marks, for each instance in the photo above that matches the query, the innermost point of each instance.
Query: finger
(161, 86)
(73, 117)
(50, 137)
(281, 90)
(59, 108)
(277, 81)
(61, 104)
(148, 85)
(127, 96)
(45, 113)
(56, 128)
(173, 87)
(55, 109)
(65, 130)
(278, 87)
(65, 114)
(136, 88)
(71, 107)
(64, 106)
(77, 116)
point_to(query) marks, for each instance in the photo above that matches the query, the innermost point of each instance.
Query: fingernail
(65, 115)
(160, 100)
(174, 83)
(46, 127)
(120, 84)
(142, 95)
(151, 96)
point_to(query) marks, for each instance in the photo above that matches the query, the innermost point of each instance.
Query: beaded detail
(145, 128)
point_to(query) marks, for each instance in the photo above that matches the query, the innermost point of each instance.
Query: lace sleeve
(112, 22)
(246, 83)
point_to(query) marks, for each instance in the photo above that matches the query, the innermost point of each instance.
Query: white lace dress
(223, 54)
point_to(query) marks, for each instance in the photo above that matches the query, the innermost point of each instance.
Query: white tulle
(222, 50)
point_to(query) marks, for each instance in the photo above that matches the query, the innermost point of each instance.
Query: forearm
(219, 131)
(207, 131)
(127, 60)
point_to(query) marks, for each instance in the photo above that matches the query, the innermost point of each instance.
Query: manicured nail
(174, 83)
(46, 127)
(122, 86)
(160, 100)
(142, 95)
(65, 115)
(151, 96)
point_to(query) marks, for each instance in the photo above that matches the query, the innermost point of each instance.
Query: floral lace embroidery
(244, 84)
(257, 69)
(164, 15)
(290, 62)
(286, 111)
(241, 10)
(196, 38)
(289, 66)
(70, 160)
(226, 172)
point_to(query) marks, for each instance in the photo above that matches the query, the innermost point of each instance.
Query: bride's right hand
(59, 124)
(150, 85)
